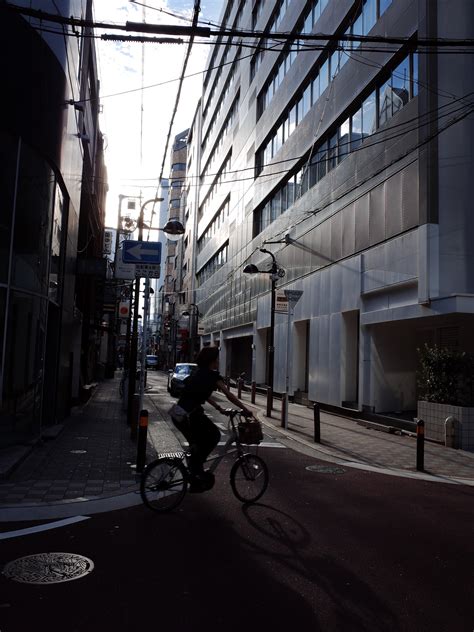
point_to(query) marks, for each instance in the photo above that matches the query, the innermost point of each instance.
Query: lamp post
(172, 227)
(275, 273)
(194, 329)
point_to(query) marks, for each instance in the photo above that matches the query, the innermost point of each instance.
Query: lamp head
(251, 268)
(174, 227)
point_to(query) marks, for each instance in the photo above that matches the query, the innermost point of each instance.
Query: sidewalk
(91, 458)
(348, 440)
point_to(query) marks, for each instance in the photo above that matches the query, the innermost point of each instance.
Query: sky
(135, 141)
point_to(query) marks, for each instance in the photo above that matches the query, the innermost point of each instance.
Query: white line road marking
(42, 527)
(263, 444)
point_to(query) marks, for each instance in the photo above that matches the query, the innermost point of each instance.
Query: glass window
(334, 63)
(300, 110)
(414, 90)
(324, 77)
(307, 100)
(332, 152)
(356, 129)
(357, 29)
(369, 117)
(290, 191)
(284, 198)
(316, 11)
(313, 170)
(324, 4)
(292, 120)
(385, 102)
(370, 15)
(315, 90)
(344, 140)
(323, 156)
(33, 224)
(384, 4)
(308, 23)
(401, 85)
(275, 206)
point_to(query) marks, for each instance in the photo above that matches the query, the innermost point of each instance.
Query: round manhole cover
(326, 469)
(48, 568)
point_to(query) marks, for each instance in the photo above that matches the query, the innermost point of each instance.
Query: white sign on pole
(125, 271)
(200, 330)
(281, 302)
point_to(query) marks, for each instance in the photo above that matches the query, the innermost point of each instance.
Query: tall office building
(350, 162)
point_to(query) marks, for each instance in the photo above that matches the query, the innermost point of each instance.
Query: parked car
(177, 377)
(152, 362)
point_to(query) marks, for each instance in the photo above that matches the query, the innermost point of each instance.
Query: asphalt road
(343, 551)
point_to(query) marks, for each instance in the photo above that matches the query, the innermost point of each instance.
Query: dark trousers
(202, 435)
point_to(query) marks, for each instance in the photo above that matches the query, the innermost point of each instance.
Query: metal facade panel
(377, 215)
(393, 205)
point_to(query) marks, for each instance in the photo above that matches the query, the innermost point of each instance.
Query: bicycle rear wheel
(163, 484)
(249, 478)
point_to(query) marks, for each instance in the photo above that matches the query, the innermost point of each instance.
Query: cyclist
(200, 432)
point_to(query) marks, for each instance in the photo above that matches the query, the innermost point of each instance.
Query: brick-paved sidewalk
(92, 458)
(345, 438)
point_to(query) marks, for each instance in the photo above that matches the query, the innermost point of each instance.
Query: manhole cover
(78, 451)
(326, 469)
(48, 568)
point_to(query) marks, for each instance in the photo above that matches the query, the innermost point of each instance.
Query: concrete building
(351, 163)
(175, 327)
(52, 186)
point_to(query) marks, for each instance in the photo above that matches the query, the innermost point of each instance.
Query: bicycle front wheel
(249, 478)
(163, 484)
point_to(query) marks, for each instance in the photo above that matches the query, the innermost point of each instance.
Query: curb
(326, 454)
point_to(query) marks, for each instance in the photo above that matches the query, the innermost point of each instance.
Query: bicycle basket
(250, 432)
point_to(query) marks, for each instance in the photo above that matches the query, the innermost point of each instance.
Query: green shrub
(445, 376)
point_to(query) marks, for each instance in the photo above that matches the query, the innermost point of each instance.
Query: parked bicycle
(165, 481)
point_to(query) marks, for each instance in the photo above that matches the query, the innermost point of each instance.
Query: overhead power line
(199, 31)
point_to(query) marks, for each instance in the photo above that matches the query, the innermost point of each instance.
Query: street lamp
(196, 314)
(172, 227)
(275, 273)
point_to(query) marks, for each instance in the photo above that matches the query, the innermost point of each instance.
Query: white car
(177, 377)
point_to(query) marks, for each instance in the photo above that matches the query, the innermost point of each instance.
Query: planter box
(434, 415)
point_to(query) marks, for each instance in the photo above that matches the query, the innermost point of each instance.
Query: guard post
(253, 393)
(420, 445)
(269, 401)
(283, 410)
(141, 443)
(317, 423)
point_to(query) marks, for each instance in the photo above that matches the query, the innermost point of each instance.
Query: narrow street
(327, 548)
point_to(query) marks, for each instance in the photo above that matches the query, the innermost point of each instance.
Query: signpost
(292, 296)
(140, 252)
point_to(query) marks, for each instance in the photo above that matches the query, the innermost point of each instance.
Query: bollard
(239, 387)
(134, 416)
(283, 410)
(420, 445)
(450, 432)
(317, 423)
(254, 392)
(141, 443)
(269, 401)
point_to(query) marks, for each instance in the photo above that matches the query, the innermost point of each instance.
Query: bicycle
(164, 482)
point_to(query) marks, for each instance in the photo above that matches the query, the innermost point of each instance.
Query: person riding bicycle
(200, 432)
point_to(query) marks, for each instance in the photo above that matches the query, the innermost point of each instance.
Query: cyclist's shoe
(201, 482)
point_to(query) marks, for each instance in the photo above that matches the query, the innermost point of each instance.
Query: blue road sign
(141, 252)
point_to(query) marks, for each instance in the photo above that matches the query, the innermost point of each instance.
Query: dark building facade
(51, 151)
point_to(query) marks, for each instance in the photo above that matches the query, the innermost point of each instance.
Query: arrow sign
(141, 252)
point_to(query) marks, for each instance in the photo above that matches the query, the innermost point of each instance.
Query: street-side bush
(446, 376)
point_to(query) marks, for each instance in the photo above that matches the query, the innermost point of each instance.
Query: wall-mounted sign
(107, 242)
